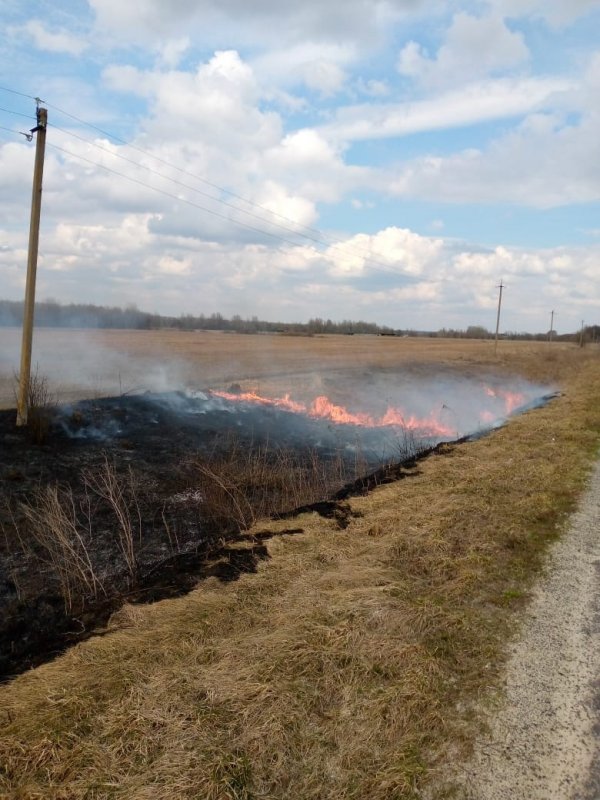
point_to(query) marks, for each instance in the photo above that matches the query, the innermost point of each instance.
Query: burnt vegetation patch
(138, 498)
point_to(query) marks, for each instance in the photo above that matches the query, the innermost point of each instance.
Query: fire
(276, 402)
(512, 400)
(322, 408)
(501, 403)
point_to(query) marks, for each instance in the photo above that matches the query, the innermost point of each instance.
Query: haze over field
(400, 158)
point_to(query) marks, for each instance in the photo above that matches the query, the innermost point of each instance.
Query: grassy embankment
(348, 662)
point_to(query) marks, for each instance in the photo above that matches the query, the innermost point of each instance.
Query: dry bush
(121, 496)
(56, 529)
(239, 484)
(41, 404)
(51, 520)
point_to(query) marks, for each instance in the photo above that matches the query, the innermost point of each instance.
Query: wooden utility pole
(581, 334)
(32, 256)
(551, 326)
(500, 287)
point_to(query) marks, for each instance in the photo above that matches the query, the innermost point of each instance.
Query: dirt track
(544, 737)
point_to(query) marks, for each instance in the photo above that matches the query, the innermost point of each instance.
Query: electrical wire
(171, 195)
(12, 130)
(185, 185)
(320, 238)
(14, 91)
(16, 113)
(342, 246)
(214, 213)
(365, 253)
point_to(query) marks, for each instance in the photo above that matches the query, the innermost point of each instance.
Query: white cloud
(474, 47)
(556, 12)
(549, 160)
(54, 42)
(373, 87)
(268, 22)
(472, 104)
(168, 265)
(172, 51)
(401, 251)
(320, 66)
(275, 127)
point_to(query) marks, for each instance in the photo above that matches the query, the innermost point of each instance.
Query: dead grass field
(349, 665)
(89, 363)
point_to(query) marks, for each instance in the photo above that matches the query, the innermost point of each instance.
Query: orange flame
(322, 408)
(512, 400)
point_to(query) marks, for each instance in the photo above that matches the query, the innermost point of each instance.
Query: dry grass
(239, 486)
(121, 496)
(209, 358)
(41, 404)
(343, 668)
(52, 524)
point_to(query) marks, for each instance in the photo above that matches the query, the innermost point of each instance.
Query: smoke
(438, 406)
(423, 397)
(77, 365)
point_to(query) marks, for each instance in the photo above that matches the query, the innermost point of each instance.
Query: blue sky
(389, 160)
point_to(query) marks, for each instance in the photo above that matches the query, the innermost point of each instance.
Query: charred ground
(138, 497)
(174, 478)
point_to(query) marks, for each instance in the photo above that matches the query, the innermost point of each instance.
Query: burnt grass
(192, 474)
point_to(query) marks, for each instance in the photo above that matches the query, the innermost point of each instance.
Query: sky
(384, 160)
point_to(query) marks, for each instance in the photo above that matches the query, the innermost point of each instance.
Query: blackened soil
(151, 443)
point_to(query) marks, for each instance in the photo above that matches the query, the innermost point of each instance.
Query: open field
(86, 363)
(350, 664)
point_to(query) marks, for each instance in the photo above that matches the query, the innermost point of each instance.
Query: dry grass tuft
(52, 523)
(41, 404)
(347, 662)
(240, 485)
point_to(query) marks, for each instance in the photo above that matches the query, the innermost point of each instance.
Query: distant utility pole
(551, 326)
(32, 256)
(581, 334)
(500, 287)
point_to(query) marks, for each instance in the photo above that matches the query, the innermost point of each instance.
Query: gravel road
(545, 736)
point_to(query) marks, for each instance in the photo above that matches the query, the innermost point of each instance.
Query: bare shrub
(239, 485)
(41, 404)
(51, 521)
(121, 496)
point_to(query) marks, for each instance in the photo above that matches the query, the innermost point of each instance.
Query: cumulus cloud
(396, 251)
(556, 12)
(474, 47)
(548, 160)
(267, 21)
(172, 51)
(475, 103)
(320, 66)
(258, 101)
(60, 41)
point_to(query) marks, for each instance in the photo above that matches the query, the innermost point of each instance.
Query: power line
(295, 231)
(320, 234)
(12, 130)
(319, 238)
(172, 196)
(17, 113)
(186, 185)
(14, 91)
(214, 213)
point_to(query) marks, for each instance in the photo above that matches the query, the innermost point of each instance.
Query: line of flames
(322, 408)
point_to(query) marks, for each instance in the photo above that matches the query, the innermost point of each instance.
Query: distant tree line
(51, 314)
(591, 333)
